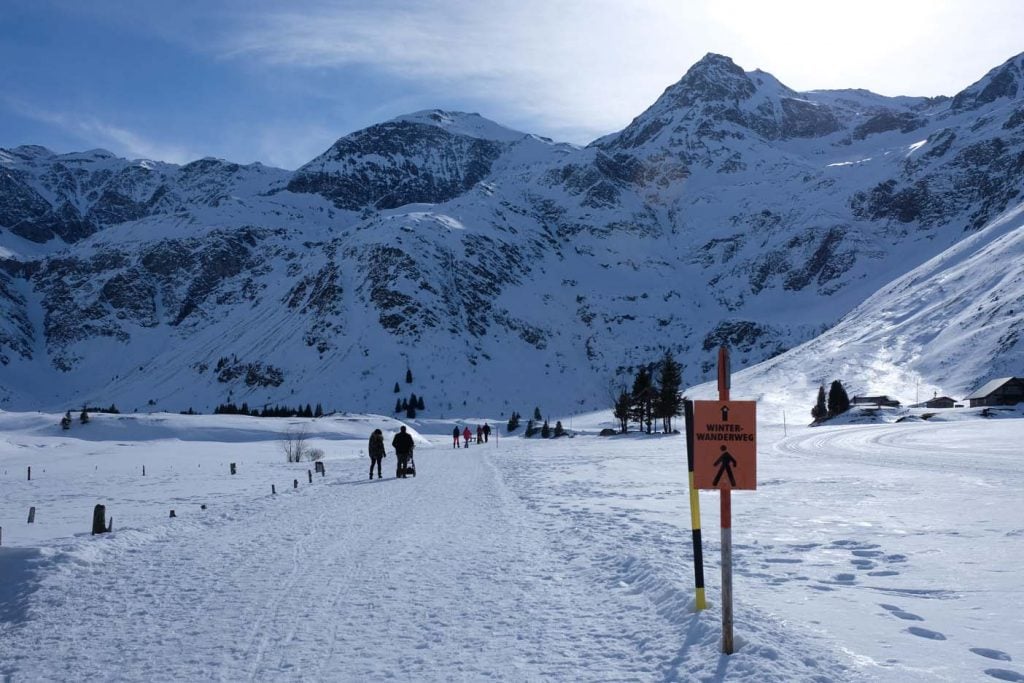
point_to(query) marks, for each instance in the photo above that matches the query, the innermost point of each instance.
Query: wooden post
(30, 473)
(309, 473)
(172, 514)
(143, 470)
(273, 490)
(295, 484)
(724, 384)
(700, 601)
(99, 520)
(32, 515)
(233, 468)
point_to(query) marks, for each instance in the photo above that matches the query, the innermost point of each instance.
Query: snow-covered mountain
(507, 270)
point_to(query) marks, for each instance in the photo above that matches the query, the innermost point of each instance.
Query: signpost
(723, 441)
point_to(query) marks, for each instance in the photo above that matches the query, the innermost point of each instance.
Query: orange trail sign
(725, 445)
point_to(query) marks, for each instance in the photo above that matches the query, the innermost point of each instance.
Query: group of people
(403, 445)
(483, 434)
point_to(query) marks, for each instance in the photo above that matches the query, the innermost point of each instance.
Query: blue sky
(278, 82)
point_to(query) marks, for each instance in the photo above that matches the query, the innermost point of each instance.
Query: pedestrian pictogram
(725, 444)
(725, 463)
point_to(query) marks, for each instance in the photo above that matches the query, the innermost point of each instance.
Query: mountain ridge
(740, 212)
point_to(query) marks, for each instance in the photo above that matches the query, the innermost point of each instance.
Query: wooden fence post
(309, 473)
(99, 520)
(32, 515)
(172, 514)
(295, 484)
(273, 490)
(233, 468)
(30, 473)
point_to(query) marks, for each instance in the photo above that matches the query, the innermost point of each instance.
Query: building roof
(989, 387)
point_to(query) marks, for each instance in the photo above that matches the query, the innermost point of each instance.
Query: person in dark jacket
(403, 445)
(487, 432)
(479, 434)
(377, 451)
(455, 437)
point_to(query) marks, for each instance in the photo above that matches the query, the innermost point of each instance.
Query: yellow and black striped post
(698, 553)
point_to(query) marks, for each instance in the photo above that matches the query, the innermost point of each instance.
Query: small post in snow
(273, 490)
(233, 470)
(309, 473)
(32, 515)
(700, 602)
(295, 483)
(99, 520)
(30, 473)
(172, 514)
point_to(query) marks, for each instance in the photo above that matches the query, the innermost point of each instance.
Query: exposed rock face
(734, 210)
(397, 163)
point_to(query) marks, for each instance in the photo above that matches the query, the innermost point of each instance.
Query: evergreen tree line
(838, 402)
(648, 402)
(409, 405)
(276, 411)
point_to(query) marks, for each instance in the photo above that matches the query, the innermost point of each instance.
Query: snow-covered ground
(888, 552)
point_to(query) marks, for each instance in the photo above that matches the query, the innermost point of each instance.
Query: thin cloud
(524, 57)
(94, 132)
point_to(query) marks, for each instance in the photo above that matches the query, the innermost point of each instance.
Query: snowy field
(870, 552)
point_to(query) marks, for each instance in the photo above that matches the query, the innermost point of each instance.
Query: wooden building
(1007, 391)
(878, 401)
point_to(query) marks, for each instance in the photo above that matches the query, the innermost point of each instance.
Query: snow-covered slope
(504, 269)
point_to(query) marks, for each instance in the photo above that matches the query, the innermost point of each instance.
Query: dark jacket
(377, 446)
(402, 443)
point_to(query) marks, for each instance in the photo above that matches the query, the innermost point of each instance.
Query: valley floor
(878, 552)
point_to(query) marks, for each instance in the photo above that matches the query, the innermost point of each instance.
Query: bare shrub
(293, 443)
(314, 454)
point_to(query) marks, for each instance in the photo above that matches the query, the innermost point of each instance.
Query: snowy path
(489, 565)
(868, 553)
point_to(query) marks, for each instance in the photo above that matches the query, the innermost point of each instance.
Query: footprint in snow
(783, 560)
(1005, 675)
(867, 553)
(992, 654)
(863, 564)
(884, 572)
(902, 614)
(926, 633)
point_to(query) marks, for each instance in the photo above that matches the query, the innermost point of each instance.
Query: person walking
(487, 432)
(402, 443)
(455, 437)
(479, 434)
(377, 451)
(466, 436)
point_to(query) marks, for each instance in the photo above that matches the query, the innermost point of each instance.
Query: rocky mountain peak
(1003, 82)
(715, 78)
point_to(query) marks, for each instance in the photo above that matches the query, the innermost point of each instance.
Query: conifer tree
(820, 410)
(318, 411)
(668, 403)
(622, 405)
(513, 422)
(398, 405)
(405, 404)
(408, 375)
(559, 430)
(410, 411)
(643, 399)
(530, 428)
(419, 403)
(545, 431)
(397, 389)
(536, 415)
(838, 400)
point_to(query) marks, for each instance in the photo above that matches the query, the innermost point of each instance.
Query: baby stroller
(410, 467)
